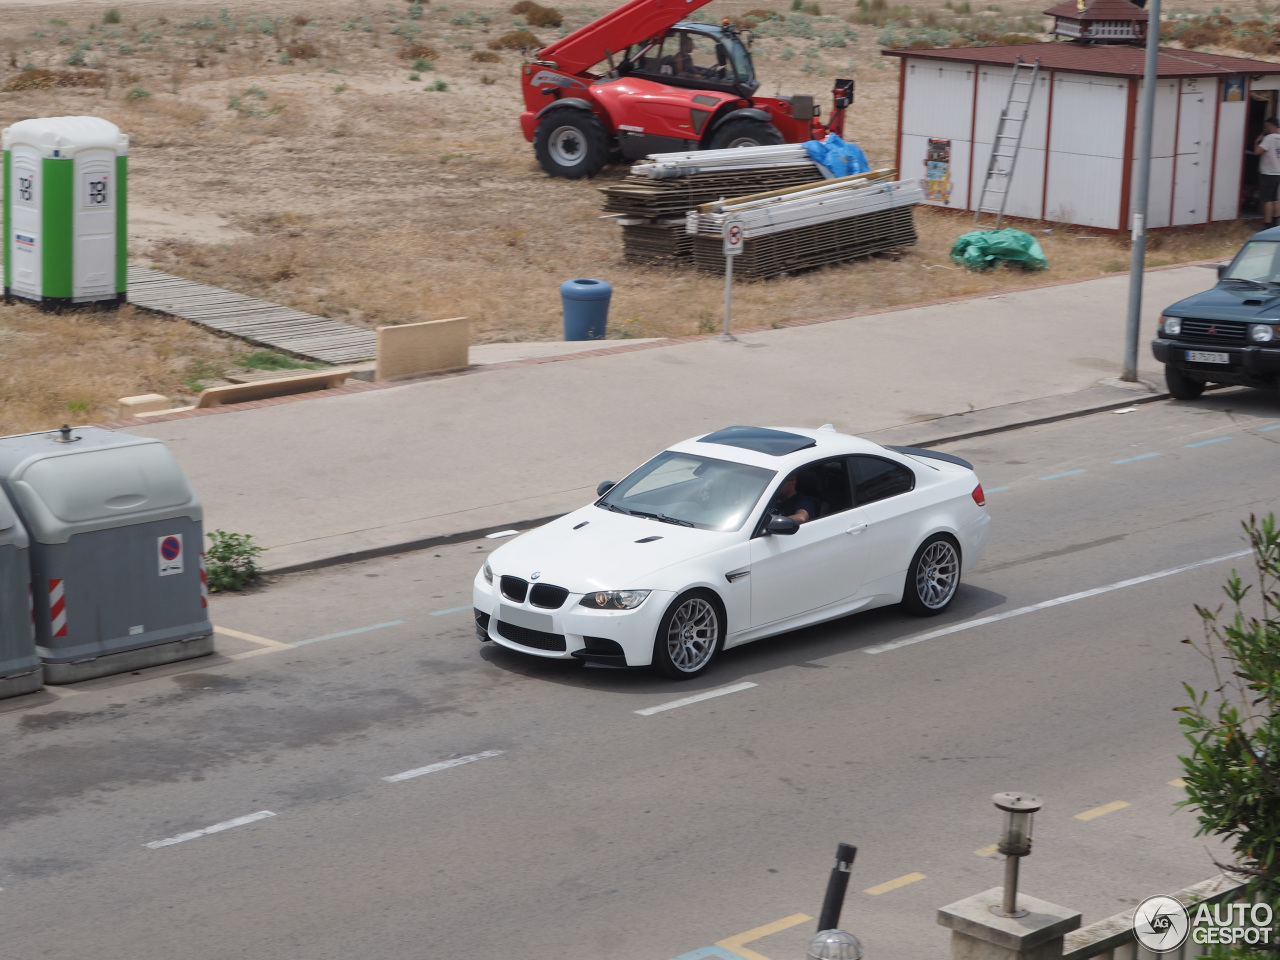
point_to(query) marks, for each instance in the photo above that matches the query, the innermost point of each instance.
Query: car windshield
(691, 491)
(1257, 263)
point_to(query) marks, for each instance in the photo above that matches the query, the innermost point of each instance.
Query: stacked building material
(802, 228)
(658, 192)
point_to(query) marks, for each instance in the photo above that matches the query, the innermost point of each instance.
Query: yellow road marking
(1103, 810)
(736, 943)
(261, 641)
(893, 884)
(60, 692)
(1178, 783)
(987, 851)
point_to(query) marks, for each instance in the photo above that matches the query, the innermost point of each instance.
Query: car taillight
(979, 497)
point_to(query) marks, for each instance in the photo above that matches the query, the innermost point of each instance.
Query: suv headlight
(614, 599)
(1261, 332)
(488, 572)
(1172, 325)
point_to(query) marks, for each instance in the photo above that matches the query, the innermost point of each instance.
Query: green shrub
(486, 56)
(415, 11)
(230, 562)
(423, 64)
(137, 93)
(414, 78)
(270, 360)
(112, 15)
(436, 86)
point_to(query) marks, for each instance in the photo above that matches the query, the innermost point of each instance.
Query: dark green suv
(1230, 334)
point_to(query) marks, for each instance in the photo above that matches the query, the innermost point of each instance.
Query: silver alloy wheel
(692, 635)
(565, 145)
(741, 142)
(937, 574)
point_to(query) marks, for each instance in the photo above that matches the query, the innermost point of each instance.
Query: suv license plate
(1201, 356)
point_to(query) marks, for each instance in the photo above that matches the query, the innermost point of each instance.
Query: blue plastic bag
(839, 159)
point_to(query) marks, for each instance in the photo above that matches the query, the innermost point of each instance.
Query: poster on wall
(937, 171)
(1233, 90)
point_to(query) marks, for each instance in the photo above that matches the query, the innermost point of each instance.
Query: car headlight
(488, 572)
(614, 599)
(1172, 325)
(1261, 332)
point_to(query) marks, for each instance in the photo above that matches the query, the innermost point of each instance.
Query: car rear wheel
(689, 636)
(933, 577)
(745, 132)
(571, 143)
(1181, 386)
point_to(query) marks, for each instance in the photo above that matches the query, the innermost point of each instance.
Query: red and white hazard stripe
(204, 583)
(57, 609)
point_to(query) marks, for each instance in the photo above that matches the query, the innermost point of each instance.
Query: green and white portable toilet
(65, 211)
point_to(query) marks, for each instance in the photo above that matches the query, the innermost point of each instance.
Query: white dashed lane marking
(442, 765)
(216, 828)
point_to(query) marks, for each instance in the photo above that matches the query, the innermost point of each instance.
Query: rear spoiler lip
(932, 455)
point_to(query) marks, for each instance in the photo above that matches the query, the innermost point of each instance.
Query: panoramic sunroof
(775, 443)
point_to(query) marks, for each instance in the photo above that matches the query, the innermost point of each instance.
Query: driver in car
(789, 502)
(683, 61)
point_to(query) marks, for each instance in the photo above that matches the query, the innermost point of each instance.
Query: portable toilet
(116, 551)
(65, 211)
(20, 670)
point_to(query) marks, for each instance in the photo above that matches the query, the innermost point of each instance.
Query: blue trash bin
(586, 308)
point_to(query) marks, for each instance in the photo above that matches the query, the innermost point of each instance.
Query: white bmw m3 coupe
(725, 538)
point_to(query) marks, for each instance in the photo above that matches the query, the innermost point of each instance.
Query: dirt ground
(290, 152)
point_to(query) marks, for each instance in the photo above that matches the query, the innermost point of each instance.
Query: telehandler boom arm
(633, 22)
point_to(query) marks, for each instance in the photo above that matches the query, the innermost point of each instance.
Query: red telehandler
(671, 85)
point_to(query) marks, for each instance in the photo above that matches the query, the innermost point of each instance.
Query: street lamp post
(1015, 842)
(1138, 253)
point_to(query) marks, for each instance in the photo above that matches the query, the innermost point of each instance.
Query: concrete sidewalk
(332, 477)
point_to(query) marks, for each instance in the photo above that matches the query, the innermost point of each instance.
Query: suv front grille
(513, 588)
(552, 642)
(1213, 330)
(548, 597)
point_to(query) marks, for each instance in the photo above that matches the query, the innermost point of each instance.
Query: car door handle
(857, 528)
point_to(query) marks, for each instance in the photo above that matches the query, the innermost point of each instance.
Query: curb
(463, 536)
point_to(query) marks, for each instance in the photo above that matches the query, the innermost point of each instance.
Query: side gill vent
(582, 524)
(648, 539)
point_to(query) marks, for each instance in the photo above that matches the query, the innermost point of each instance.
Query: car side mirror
(605, 486)
(781, 526)
(1222, 268)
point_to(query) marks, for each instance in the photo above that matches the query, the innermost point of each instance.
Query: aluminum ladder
(1007, 141)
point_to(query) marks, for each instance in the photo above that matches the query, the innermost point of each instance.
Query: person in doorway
(1267, 147)
(789, 502)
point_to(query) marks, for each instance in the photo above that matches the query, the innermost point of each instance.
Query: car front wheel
(689, 636)
(933, 577)
(1181, 386)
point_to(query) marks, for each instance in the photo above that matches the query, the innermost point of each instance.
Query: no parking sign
(170, 550)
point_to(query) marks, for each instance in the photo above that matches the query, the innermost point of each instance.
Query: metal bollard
(836, 885)
(834, 945)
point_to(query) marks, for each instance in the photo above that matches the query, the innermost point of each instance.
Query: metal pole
(1138, 254)
(829, 919)
(728, 297)
(1010, 906)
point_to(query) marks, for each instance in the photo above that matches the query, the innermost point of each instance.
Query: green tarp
(984, 249)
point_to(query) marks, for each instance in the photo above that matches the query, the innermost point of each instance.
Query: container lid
(583, 289)
(63, 136)
(97, 481)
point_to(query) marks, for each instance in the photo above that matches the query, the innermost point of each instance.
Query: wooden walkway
(257, 321)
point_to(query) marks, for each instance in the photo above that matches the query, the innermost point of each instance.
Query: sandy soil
(335, 183)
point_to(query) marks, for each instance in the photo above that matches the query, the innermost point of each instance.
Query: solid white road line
(443, 765)
(696, 698)
(1057, 601)
(216, 828)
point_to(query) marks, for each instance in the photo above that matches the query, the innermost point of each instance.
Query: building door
(1193, 165)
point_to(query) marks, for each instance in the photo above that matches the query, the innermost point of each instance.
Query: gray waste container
(116, 551)
(20, 670)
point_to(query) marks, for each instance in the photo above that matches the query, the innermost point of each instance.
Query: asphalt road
(581, 829)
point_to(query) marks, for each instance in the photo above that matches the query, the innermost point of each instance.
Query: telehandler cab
(669, 84)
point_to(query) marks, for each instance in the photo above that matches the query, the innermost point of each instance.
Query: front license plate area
(1204, 356)
(526, 618)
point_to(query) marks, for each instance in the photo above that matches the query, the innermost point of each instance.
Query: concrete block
(979, 934)
(143, 403)
(275, 387)
(435, 346)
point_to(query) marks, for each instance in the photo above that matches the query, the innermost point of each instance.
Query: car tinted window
(875, 478)
(696, 491)
(1256, 261)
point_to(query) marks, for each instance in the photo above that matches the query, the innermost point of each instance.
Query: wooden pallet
(656, 240)
(641, 197)
(256, 321)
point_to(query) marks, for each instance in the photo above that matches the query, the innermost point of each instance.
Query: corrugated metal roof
(1099, 10)
(1109, 60)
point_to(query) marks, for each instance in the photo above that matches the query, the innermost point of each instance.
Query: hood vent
(648, 539)
(1253, 303)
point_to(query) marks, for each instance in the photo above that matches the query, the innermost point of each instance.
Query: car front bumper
(573, 632)
(1251, 365)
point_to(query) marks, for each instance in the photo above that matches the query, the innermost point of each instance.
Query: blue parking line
(441, 613)
(1202, 443)
(1274, 426)
(711, 953)
(1069, 473)
(1145, 456)
(348, 633)
(995, 490)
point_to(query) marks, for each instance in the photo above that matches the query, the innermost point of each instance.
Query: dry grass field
(364, 161)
